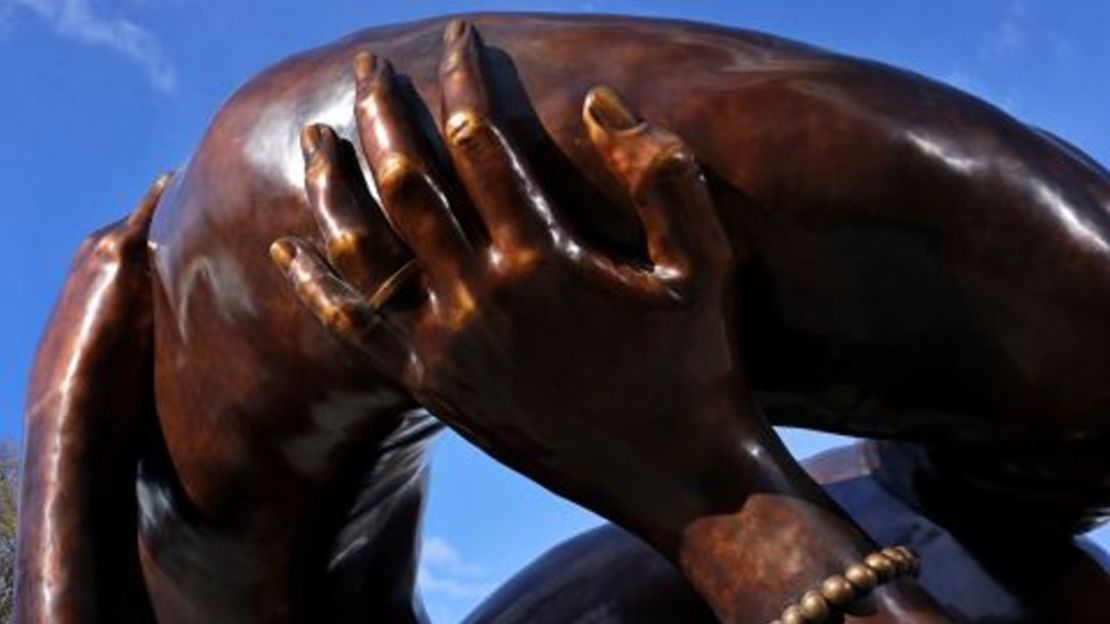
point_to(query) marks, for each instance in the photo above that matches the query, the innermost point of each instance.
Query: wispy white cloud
(1011, 34)
(1004, 43)
(75, 19)
(433, 584)
(439, 553)
(445, 573)
(1019, 33)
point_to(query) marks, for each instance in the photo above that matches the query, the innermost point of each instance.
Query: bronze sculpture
(903, 246)
(978, 577)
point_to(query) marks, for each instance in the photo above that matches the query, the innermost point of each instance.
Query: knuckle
(338, 313)
(346, 243)
(115, 244)
(338, 317)
(673, 158)
(670, 170)
(521, 261)
(399, 177)
(466, 128)
(305, 274)
(647, 154)
(465, 305)
(107, 244)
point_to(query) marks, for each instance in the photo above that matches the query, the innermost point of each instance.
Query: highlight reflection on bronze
(500, 312)
(977, 577)
(902, 246)
(88, 403)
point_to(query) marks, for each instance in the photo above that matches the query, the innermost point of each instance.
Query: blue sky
(99, 96)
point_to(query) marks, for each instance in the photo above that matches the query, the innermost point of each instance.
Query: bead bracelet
(839, 590)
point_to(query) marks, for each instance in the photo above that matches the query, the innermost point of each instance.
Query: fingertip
(454, 30)
(163, 180)
(157, 188)
(396, 172)
(462, 51)
(319, 143)
(634, 150)
(371, 71)
(364, 64)
(283, 251)
(462, 80)
(329, 139)
(144, 212)
(375, 91)
(604, 107)
(310, 140)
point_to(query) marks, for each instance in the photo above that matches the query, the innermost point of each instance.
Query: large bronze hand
(612, 382)
(528, 339)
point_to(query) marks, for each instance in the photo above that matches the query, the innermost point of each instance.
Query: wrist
(748, 527)
(751, 563)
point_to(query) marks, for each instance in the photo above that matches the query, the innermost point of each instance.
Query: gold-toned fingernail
(463, 126)
(455, 28)
(609, 110)
(365, 63)
(310, 138)
(282, 252)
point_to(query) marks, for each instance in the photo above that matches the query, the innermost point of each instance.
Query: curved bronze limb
(88, 402)
(1023, 579)
(909, 247)
(500, 312)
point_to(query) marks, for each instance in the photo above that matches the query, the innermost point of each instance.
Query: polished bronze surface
(524, 288)
(88, 405)
(888, 565)
(1000, 578)
(913, 264)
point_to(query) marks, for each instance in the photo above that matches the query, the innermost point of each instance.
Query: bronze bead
(838, 591)
(905, 561)
(915, 561)
(862, 577)
(793, 615)
(900, 560)
(883, 567)
(814, 607)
